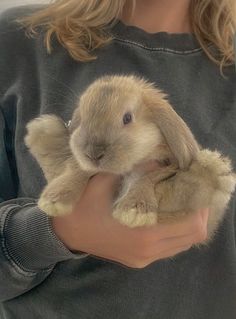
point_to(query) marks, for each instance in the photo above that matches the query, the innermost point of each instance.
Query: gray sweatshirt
(39, 276)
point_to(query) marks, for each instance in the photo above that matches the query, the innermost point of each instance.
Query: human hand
(92, 229)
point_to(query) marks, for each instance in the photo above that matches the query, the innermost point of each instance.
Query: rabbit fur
(97, 140)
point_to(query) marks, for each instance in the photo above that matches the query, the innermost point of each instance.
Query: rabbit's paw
(52, 208)
(138, 214)
(44, 132)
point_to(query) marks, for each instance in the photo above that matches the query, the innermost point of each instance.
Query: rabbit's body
(171, 195)
(102, 138)
(66, 178)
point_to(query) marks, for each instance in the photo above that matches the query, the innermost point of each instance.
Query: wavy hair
(80, 26)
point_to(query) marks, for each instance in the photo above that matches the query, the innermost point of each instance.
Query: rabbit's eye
(127, 118)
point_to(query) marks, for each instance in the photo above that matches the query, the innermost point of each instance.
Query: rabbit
(121, 121)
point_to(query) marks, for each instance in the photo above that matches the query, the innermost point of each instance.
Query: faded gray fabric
(39, 276)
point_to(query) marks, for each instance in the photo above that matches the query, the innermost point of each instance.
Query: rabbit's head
(121, 120)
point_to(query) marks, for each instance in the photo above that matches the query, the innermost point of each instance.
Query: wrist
(60, 228)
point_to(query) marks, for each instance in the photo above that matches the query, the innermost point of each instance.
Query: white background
(4, 4)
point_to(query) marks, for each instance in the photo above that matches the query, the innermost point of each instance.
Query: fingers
(103, 184)
(173, 252)
(171, 246)
(105, 178)
(156, 249)
(142, 263)
(179, 241)
(194, 223)
(165, 248)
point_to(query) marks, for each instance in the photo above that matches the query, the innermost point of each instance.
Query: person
(87, 265)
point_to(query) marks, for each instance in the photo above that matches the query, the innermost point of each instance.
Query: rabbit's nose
(97, 153)
(99, 156)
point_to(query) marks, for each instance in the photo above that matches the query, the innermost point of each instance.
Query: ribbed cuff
(29, 240)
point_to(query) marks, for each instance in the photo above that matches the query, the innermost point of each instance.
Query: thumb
(105, 181)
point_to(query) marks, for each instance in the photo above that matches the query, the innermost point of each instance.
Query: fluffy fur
(98, 140)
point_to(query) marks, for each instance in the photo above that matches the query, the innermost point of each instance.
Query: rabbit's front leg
(61, 194)
(48, 141)
(138, 206)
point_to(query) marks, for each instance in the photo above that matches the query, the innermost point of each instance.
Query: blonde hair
(80, 25)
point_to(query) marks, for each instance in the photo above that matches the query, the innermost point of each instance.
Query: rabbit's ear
(75, 122)
(175, 131)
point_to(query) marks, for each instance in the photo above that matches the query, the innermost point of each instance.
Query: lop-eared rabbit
(120, 122)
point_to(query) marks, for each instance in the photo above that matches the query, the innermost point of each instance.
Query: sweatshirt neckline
(179, 42)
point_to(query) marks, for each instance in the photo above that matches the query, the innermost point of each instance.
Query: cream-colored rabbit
(121, 121)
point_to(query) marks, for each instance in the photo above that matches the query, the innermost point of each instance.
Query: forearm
(29, 247)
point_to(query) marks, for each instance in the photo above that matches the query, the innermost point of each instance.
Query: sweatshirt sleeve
(29, 248)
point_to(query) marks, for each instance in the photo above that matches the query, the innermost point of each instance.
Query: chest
(207, 106)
